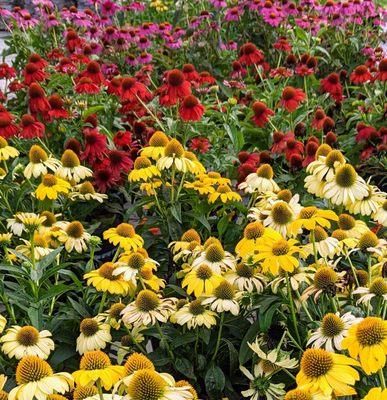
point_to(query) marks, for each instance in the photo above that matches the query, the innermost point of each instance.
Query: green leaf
(48, 260)
(92, 110)
(222, 224)
(176, 212)
(185, 367)
(214, 379)
(56, 290)
(245, 352)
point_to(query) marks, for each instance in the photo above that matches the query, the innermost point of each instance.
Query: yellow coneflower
(327, 372)
(71, 169)
(124, 236)
(113, 316)
(174, 156)
(200, 187)
(36, 379)
(252, 232)
(40, 163)
(7, 151)
(376, 393)
(198, 166)
(352, 227)
(189, 236)
(3, 393)
(260, 181)
(213, 178)
(83, 392)
(85, 191)
(310, 217)
(74, 236)
(201, 280)
(51, 186)
(41, 246)
(95, 366)
(104, 279)
(367, 341)
(20, 341)
(149, 279)
(148, 308)
(143, 170)
(156, 147)
(224, 194)
(137, 361)
(94, 334)
(24, 221)
(49, 222)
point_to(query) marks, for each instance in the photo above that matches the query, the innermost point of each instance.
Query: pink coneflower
(261, 113)
(291, 98)
(105, 179)
(233, 14)
(30, 128)
(66, 66)
(109, 8)
(281, 72)
(144, 58)
(273, 18)
(191, 109)
(218, 3)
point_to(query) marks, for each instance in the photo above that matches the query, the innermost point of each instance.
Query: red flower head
(114, 86)
(105, 179)
(330, 139)
(86, 85)
(244, 170)
(206, 77)
(367, 152)
(328, 124)
(32, 74)
(190, 73)
(265, 157)
(30, 128)
(123, 139)
(283, 45)
(291, 98)
(37, 60)
(295, 161)
(361, 74)
(310, 150)
(191, 109)
(293, 146)
(93, 71)
(95, 145)
(132, 90)
(66, 66)
(382, 71)
(331, 84)
(364, 132)
(6, 71)
(119, 161)
(7, 127)
(57, 107)
(200, 144)
(237, 70)
(73, 41)
(74, 145)
(175, 88)
(37, 99)
(245, 157)
(318, 119)
(279, 141)
(261, 113)
(249, 54)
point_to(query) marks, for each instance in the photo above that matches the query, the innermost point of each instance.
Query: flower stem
(102, 303)
(99, 387)
(313, 239)
(292, 309)
(381, 378)
(162, 339)
(219, 337)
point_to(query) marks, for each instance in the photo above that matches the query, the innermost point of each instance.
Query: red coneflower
(93, 71)
(244, 170)
(310, 150)
(123, 139)
(282, 44)
(95, 145)
(37, 60)
(318, 119)
(7, 127)
(32, 74)
(175, 88)
(328, 124)
(382, 71)
(364, 132)
(200, 144)
(361, 74)
(330, 138)
(293, 146)
(265, 157)
(237, 70)
(249, 54)
(295, 161)
(191, 109)
(66, 66)
(331, 84)
(86, 85)
(6, 71)
(74, 145)
(206, 77)
(37, 99)
(119, 161)
(30, 128)
(132, 90)
(114, 86)
(73, 41)
(57, 107)
(261, 113)
(190, 73)
(291, 98)
(245, 157)
(105, 179)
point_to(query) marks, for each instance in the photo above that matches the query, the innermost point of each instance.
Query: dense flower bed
(192, 201)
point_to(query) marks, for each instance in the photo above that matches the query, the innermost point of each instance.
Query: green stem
(162, 339)
(303, 305)
(292, 309)
(313, 240)
(381, 378)
(99, 387)
(102, 303)
(219, 337)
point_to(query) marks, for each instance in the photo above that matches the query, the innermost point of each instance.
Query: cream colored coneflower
(36, 379)
(94, 334)
(157, 144)
(260, 181)
(5, 238)
(370, 243)
(314, 186)
(174, 156)
(381, 214)
(7, 151)
(345, 187)
(246, 278)
(74, 236)
(324, 167)
(86, 192)
(113, 315)
(224, 298)
(41, 246)
(189, 254)
(189, 236)
(352, 227)
(325, 245)
(71, 169)
(24, 221)
(332, 331)
(40, 163)
(298, 277)
(376, 289)
(370, 204)
(147, 309)
(216, 258)
(20, 341)
(50, 221)
(195, 314)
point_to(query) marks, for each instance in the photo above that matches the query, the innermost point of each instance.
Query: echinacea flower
(324, 245)
(21, 341)
(74, 236)
(376, 289)
(201, 280)
(41, 247)
(30, 128)
(156, 147)
(125, 236)
(94, 335)
(327, 372)
(39, 163)
(186, 238)
(291, 98)
(195, 314)
(95, 366)
(331, 84)
(174, 157)
(36, 379)
(51, 186)
(191, 109)
(223, 298)
(324, 167)
(215, 257)
(137, 361)
(38, 102)
(175, 89)
(143, 170)
(311, 217)
(71, 168)
(252, 232)
(376, 393)
(261, 113)
(246, 278)
(360, 74)
(261, 181)
(7, 151)
(381, 215)
(370, 204)
(249, 54)
(224, 194)
(367, 341)
(85, 191)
